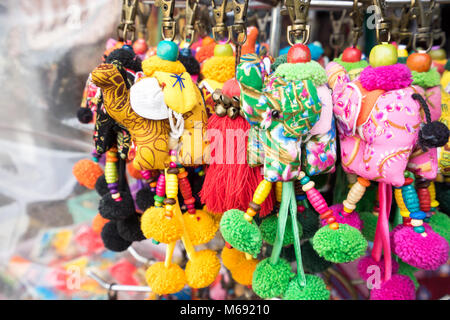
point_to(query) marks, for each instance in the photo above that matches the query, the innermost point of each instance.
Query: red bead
(330, 220)
(301, 208)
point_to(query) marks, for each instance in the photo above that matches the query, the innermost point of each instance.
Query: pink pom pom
(427, 253)
(231, 88)
(368, 261)
(399, 287)
(352, 219)
(393, 77)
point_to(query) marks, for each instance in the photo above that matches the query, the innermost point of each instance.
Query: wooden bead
(256, 207)
(174, 171)
(170, 201)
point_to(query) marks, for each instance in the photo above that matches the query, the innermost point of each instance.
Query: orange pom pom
(98, 223)
(231, 258)
(133, 171)
(243, 273)
(205, 52)
(87, 172)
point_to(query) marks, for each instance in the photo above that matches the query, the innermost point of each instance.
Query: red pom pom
(87, 172)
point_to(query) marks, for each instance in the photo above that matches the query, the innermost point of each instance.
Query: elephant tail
(432, 134)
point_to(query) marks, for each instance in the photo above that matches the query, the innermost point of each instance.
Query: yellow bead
(248, 218)
(262, 191)
(404, 214)
(278, 190)
(416, 223)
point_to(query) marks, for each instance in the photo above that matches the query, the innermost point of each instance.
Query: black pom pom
(130, 229)
(116, 210)
(144, 198)
(309, 221)
(111, 238)
(312, 262)
(101, 186)
(128, 59)
(84, 115)
(433, 135)
(189, 62)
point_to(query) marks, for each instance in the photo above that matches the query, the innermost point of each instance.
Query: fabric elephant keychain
(378, 118)
(292, 111)
(221, 190)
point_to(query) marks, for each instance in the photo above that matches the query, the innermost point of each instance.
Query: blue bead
(419, 229)
(300, 197)
(198, 169)
(418, 215)
(127, 47)
(155, 242)
(167, 50)
(304, 180)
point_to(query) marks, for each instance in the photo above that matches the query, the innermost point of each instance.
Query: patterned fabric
(378, 131)
(281, 114)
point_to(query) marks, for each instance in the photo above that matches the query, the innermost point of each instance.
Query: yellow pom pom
(203, 269)
(200, 227)
(243, 273)
(219, 69)
(231, 258)
(155, 63)
(155, 224)
(164, 280)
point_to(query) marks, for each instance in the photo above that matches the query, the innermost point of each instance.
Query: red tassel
(231, 185)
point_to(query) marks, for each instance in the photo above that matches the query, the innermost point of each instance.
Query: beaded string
(160, 191)
(111, 174)
(424, 196)
(150, 177)
(354, 195)
(261, 193)
(434, 204)
(300, 197)
(411, 201)
(317, 201)
(186, 191)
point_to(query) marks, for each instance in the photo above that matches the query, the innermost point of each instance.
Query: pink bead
(173, 165)
(145, 174)
(172, 153)
(118, 199)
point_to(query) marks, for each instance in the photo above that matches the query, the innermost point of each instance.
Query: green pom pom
(428, 79)
(278, 61)
(268, 229)
(315, 289)
(349, 66)
(271, 280)
(309, 221)
(240, 233)
(408, 270)
(302, 71)
(440, 223)
(369, 225)
(339, 246)
(312, 262)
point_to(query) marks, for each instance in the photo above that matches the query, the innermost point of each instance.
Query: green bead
(167, 50)
(304, 180)
(158, 198)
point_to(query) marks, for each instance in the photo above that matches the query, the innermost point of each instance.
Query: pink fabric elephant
(379, 121)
